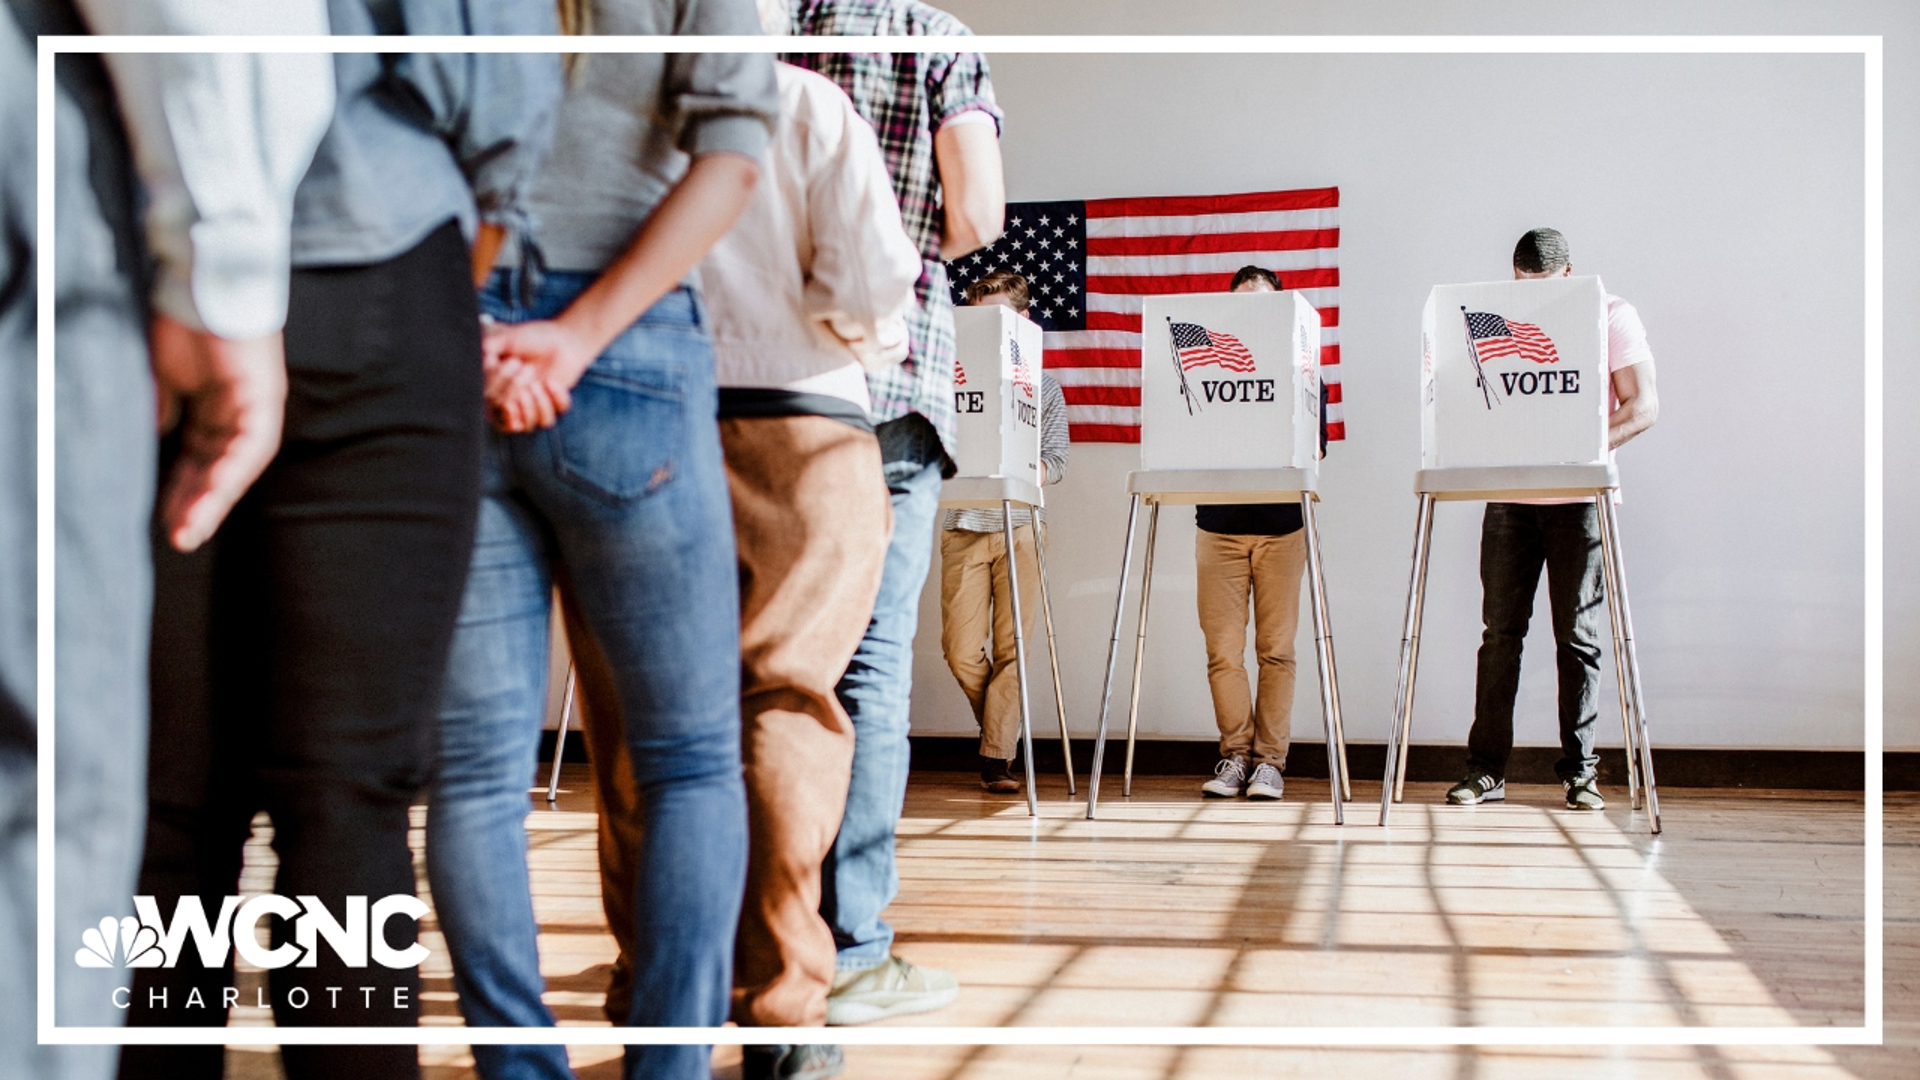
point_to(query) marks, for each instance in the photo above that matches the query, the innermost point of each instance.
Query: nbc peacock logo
(120, 943)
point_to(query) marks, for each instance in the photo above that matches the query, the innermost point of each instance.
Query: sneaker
(1583, 793)
(791, 1062)
(997, 776)
(1266, 782)
(1477, 788)
(1229, 777)
(895, 988)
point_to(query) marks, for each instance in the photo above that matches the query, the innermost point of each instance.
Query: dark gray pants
(1516, 541)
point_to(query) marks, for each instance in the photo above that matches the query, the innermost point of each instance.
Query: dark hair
(1254, 273)
(1541, 251)
(1000, 281)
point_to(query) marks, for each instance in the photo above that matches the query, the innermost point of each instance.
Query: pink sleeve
(1626, 337)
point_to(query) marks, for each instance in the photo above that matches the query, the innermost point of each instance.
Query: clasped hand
(530, 370)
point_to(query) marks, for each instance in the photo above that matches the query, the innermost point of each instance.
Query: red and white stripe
(1147, 247)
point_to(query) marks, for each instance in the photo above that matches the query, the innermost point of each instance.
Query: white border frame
(1870, 1033)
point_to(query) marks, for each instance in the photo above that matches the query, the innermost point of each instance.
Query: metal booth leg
(1399, 732)
(1311, 515)
(1610, 527)
(1019, 652)
(1413, 668)
(1619, 652)
(1113, 655)
(1140, 648)
(1324, 656)
(1053, 651)
(560, 740)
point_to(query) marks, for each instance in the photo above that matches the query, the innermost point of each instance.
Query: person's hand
(517, 400)
(531, 368)
(229, 397)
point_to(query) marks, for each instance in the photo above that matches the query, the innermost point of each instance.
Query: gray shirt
(418, 139)
(631, 122)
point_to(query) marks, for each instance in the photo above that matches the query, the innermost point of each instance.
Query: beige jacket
(811, 287)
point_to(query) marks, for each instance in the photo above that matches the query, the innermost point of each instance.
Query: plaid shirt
(906, 97)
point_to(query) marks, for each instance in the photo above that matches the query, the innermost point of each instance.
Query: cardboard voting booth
(1514, 373)
(1229, 381)
(1229, 413)
(996, 393)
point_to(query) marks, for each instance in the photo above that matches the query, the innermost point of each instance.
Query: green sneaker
(1583, 793)
(1477, 788)
(895, 988)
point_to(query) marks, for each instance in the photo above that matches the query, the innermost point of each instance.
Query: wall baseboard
(1805, 770)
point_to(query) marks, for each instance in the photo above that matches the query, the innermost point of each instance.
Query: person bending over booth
(976, 611)
(1256, 550)
(1517, 539)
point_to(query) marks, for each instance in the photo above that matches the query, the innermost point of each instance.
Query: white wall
(1721, 194)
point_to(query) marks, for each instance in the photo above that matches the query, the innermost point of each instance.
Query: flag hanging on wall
(1088, 264)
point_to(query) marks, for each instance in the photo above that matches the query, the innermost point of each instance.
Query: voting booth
(1229, 381)
(996, 404)
(996, 393)
(1514, 373)
(1515, 392)
(1229, 413)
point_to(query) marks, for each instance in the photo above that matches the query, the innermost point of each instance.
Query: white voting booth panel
(1229, 381)
(996, 393)
(1514, 373)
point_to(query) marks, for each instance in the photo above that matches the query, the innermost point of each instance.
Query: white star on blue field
(1046, 243)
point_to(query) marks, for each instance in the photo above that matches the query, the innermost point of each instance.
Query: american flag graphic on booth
(1196, 345)
(1494, 337)
(1022, 372)
(1090, 263)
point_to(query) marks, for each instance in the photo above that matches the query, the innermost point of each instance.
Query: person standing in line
(976, 611)
(218, 143)
(298, 659)
(939, 131)
(1257, 551)
(1518, 539)
(809, 290)
(606, 479)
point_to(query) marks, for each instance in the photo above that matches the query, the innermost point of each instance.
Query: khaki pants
(812, 520)
(1228, 569)
(976, 627)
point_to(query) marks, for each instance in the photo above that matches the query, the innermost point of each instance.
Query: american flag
(1494, 337)
(1197, 345)
(1022, 374)
(1089, 264)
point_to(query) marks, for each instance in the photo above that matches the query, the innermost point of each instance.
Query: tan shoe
(895, 988)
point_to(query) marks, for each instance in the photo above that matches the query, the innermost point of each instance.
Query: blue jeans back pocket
(621, 439)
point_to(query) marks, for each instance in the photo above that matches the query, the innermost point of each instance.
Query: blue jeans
(859, 879)
(624, 504)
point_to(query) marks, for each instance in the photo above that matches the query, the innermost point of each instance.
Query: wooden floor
(1747, 912)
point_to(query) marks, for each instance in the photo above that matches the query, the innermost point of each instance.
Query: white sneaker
(895, 988)
(1266, 783)
(1229, 778)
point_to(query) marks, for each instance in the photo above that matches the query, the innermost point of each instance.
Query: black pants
(1516, 540)
(298, 660)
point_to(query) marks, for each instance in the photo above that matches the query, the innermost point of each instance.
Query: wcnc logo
(150, 941)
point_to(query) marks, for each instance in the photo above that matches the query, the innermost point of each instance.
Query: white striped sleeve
(1054, 442)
